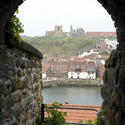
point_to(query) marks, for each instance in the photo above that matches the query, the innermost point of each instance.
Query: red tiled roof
(45, 67)
(98, 34)
(75, 116)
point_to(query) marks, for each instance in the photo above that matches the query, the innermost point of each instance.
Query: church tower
(71, 30)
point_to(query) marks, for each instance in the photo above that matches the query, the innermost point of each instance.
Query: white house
(92, 75)
(82, 70)
(87, 53)
(73, 75)
(112, 44)
(44, 76)
(82, 75)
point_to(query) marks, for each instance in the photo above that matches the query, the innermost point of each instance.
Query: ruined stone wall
(20, 86)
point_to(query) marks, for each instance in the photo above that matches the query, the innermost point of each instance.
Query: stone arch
(114, 77)
(8, 7)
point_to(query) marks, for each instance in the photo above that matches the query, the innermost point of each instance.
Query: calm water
(73, 95)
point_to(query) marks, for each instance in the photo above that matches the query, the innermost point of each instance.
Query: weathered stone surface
(113, 90)
(20, 86)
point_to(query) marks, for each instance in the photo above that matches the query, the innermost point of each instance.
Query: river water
(73, 95)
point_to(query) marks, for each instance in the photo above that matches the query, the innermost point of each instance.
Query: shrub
(55, 117)
(15, 27)
(89, 121)
(99, 118)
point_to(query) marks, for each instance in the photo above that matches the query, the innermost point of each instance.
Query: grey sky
(41, 15)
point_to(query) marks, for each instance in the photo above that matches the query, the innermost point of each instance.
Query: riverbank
(72, 82)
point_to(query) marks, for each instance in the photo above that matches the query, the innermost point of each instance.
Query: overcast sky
(41, 15)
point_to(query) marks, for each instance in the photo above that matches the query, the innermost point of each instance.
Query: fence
(75, 113)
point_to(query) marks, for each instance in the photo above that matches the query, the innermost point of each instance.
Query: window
(58, 28)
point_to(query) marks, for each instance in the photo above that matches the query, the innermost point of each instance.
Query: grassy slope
(61, 45)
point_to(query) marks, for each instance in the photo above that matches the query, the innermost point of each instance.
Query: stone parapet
(20, 86)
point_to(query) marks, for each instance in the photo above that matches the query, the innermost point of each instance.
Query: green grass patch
(59, 45)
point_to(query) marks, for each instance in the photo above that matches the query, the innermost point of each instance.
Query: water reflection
(73, 95)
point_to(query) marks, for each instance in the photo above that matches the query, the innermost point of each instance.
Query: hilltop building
(79, 32)
(58, 32)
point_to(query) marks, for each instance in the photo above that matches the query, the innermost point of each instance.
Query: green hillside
(59, 45)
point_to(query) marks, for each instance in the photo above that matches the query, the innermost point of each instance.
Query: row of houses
(83, 70)
(107, 45)
(88, 64)
(101, 34)
(89, 67)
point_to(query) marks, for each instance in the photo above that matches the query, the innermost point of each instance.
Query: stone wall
(20, 85)
(113, 90)
(114, 78)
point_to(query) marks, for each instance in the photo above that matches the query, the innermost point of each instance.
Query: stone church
(79, 32)
(58, 32)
